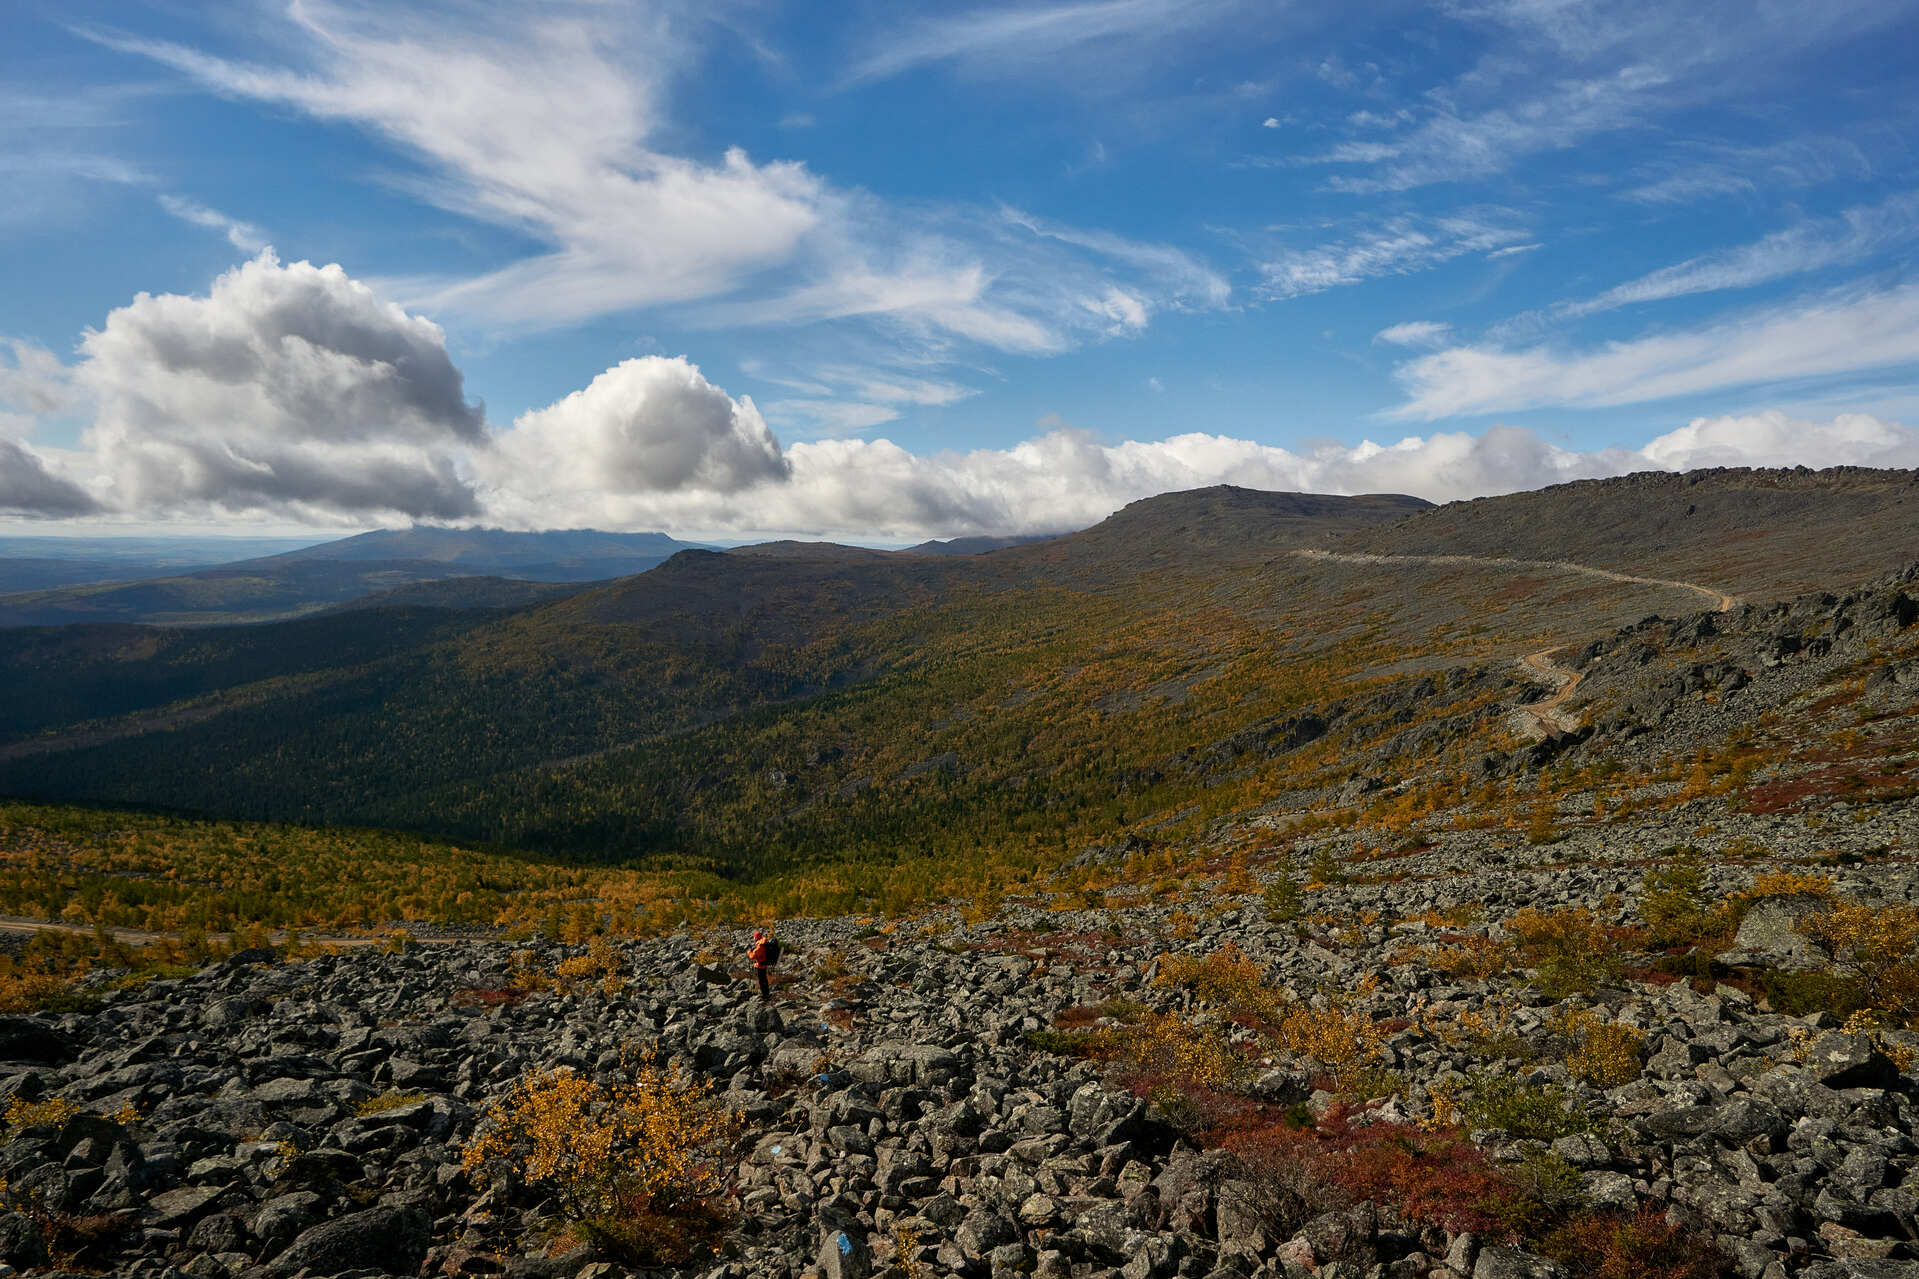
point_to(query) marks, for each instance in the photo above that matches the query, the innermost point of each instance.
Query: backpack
(772, 951)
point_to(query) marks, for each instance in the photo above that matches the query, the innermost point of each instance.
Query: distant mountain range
(386, 566)
(975, 545)
(42, 563)
(557, 555)
(223, 581)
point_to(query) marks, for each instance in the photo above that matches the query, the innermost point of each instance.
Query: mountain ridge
(1758, 531)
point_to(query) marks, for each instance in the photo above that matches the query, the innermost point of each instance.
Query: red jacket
(758, 953)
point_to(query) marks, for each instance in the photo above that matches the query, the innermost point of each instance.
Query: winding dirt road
(1542, 718)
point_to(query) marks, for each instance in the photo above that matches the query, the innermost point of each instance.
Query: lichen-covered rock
(1770, 933)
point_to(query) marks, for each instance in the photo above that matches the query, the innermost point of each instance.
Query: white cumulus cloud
(646, 427)
(1772, 438)
(296, 390)
(28, 487)
(652, 444)
(35, 381)
(286, 388)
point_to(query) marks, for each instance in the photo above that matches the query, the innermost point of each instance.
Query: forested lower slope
(732, 710)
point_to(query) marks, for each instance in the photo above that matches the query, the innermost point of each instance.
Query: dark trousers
(766, 992)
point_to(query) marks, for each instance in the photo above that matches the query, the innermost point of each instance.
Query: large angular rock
(1740, 1119)
(279, 1220)
(392, 1240)
(1850, 1061)
(1862, 1268)
(1770, 933)
(982, 1232)
(28, 1039)
(1608, 1190)
(845, 1255)
(178, 1209)
(20, 1240)
(1513, 1263)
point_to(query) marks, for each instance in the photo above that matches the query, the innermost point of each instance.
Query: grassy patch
(387, 1101)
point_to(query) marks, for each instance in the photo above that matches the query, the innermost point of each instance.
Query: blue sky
(883, 270)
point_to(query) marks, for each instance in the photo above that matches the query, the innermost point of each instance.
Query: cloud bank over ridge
(294, 391)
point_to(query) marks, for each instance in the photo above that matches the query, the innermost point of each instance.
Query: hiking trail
(1549, 716)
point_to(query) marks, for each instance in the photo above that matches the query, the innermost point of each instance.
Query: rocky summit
(909, 1109)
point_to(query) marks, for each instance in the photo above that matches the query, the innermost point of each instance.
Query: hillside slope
(800, 705)
(929, 692)
(1766, 534)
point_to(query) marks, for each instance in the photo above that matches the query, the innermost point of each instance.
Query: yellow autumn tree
(637, 1165)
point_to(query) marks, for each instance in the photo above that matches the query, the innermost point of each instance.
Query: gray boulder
(20, 1241)
(1514, 1263)
(1862, 1268)
(1770, 933)
(28, 1039)
(845, 1255)
(392, 1240)
(982, 1232)
(1850, 1061)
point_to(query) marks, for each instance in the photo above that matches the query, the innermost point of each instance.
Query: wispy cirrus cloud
(1397, 246)
(1184, 281)
(541, 126)
(557, 127)
(1454, 145)
(1844, 333)
(53, 147)
(1002, 38)
(996, 278)
(1816, 244)
(1695, 172)
(840, 399)
(243, 236)
(816, 419)
(1415, 333)
(1556, 73)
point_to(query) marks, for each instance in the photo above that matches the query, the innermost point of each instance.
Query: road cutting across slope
(1542, 718)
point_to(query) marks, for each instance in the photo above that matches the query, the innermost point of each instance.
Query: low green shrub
(1542, 1112)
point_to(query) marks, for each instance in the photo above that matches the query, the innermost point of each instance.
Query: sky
(881, 271)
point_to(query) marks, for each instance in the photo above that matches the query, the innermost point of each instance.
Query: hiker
(765, 952)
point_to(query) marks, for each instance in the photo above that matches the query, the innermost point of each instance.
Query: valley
(1229, 888)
